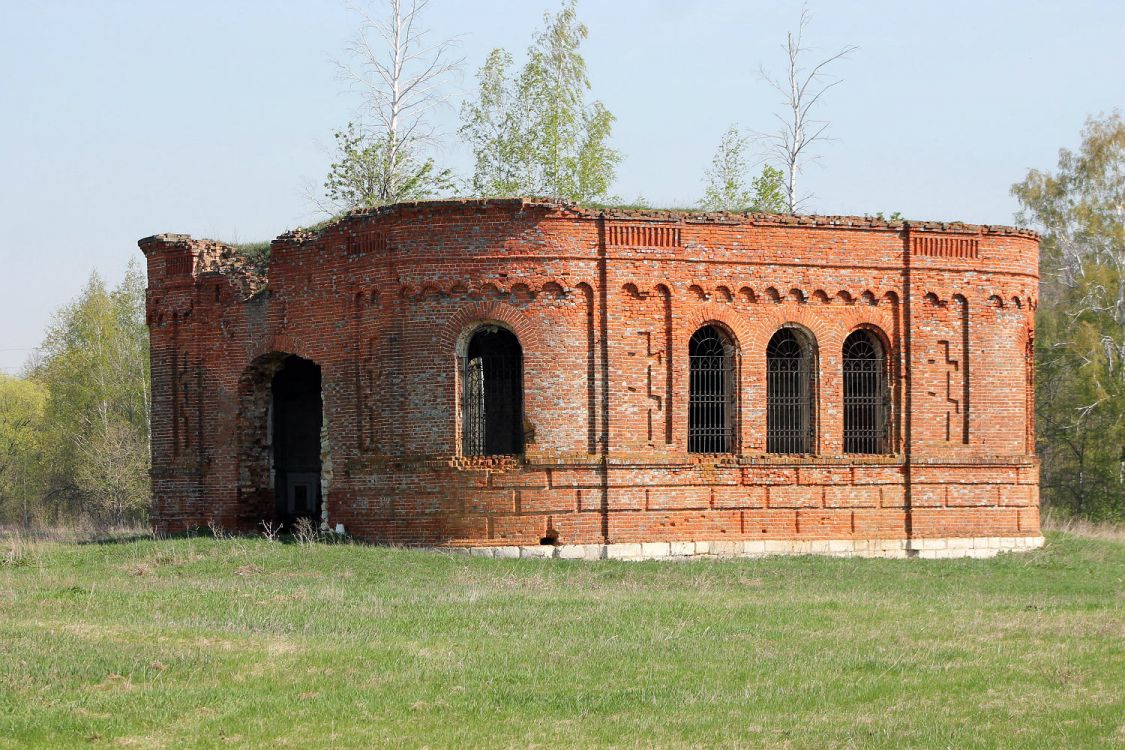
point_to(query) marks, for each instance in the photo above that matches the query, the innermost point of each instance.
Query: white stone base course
(930, 549)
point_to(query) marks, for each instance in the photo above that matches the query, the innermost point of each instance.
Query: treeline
(74, 429)
(1080, 339)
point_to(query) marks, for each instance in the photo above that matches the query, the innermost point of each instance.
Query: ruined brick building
(522, 377)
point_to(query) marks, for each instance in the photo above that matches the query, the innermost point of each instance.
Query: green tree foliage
(22, 406)
(1080, 341)
(375, 170)
(725, 187)
(495, 126)
(95, 433)
(533, 133)
(769, 191)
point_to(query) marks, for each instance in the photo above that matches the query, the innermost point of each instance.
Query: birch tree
(401, 75)
(802, 87)
(496, 126)
(725, 185)
(532, 132)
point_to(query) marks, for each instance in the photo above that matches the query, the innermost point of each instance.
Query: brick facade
(603, 304)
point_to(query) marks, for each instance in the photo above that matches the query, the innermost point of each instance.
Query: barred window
(865, 395)
(790, 393)
(711, 389)
(492, 403)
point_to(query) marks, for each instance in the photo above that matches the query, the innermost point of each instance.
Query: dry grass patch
(1114, 532)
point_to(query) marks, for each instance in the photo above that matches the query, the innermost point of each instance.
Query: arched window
(492, 403)
(790, 387)
(865, 394)
(711, 389)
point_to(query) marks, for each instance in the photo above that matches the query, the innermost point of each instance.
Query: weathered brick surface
(603, 305)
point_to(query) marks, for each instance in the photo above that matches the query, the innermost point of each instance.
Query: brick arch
(491, 291)
(552, 290)
(875, 329)
(713, 312)
(518, 322)
(274, 343)
(865, 316)
(768, 320)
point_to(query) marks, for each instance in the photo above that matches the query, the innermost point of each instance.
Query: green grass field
(249, 643)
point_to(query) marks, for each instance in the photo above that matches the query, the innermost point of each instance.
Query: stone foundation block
(623, 551)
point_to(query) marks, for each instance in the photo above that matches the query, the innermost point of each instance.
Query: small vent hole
(551, 535)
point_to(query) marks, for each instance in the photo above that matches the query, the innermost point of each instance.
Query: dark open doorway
(296, 425)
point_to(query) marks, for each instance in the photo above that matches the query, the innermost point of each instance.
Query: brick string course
(603, 304)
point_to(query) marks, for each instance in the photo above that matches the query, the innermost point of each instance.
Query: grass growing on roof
(248, 643)
(255, 253)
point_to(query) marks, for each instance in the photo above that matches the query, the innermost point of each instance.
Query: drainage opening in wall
(551, 535)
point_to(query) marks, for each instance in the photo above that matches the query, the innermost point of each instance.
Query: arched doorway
(280, 446)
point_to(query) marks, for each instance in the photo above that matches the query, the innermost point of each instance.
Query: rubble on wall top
(246, 272)
(688, 216)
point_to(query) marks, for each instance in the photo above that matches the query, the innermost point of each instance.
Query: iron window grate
(492, 404)
(789, 394)
(711, 402)
(865, 395)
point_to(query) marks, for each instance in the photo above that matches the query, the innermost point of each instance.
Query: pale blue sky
(122, 119)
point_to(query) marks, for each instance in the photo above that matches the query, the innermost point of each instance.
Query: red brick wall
(603, 306)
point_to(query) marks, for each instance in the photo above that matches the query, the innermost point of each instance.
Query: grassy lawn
(244, 642)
